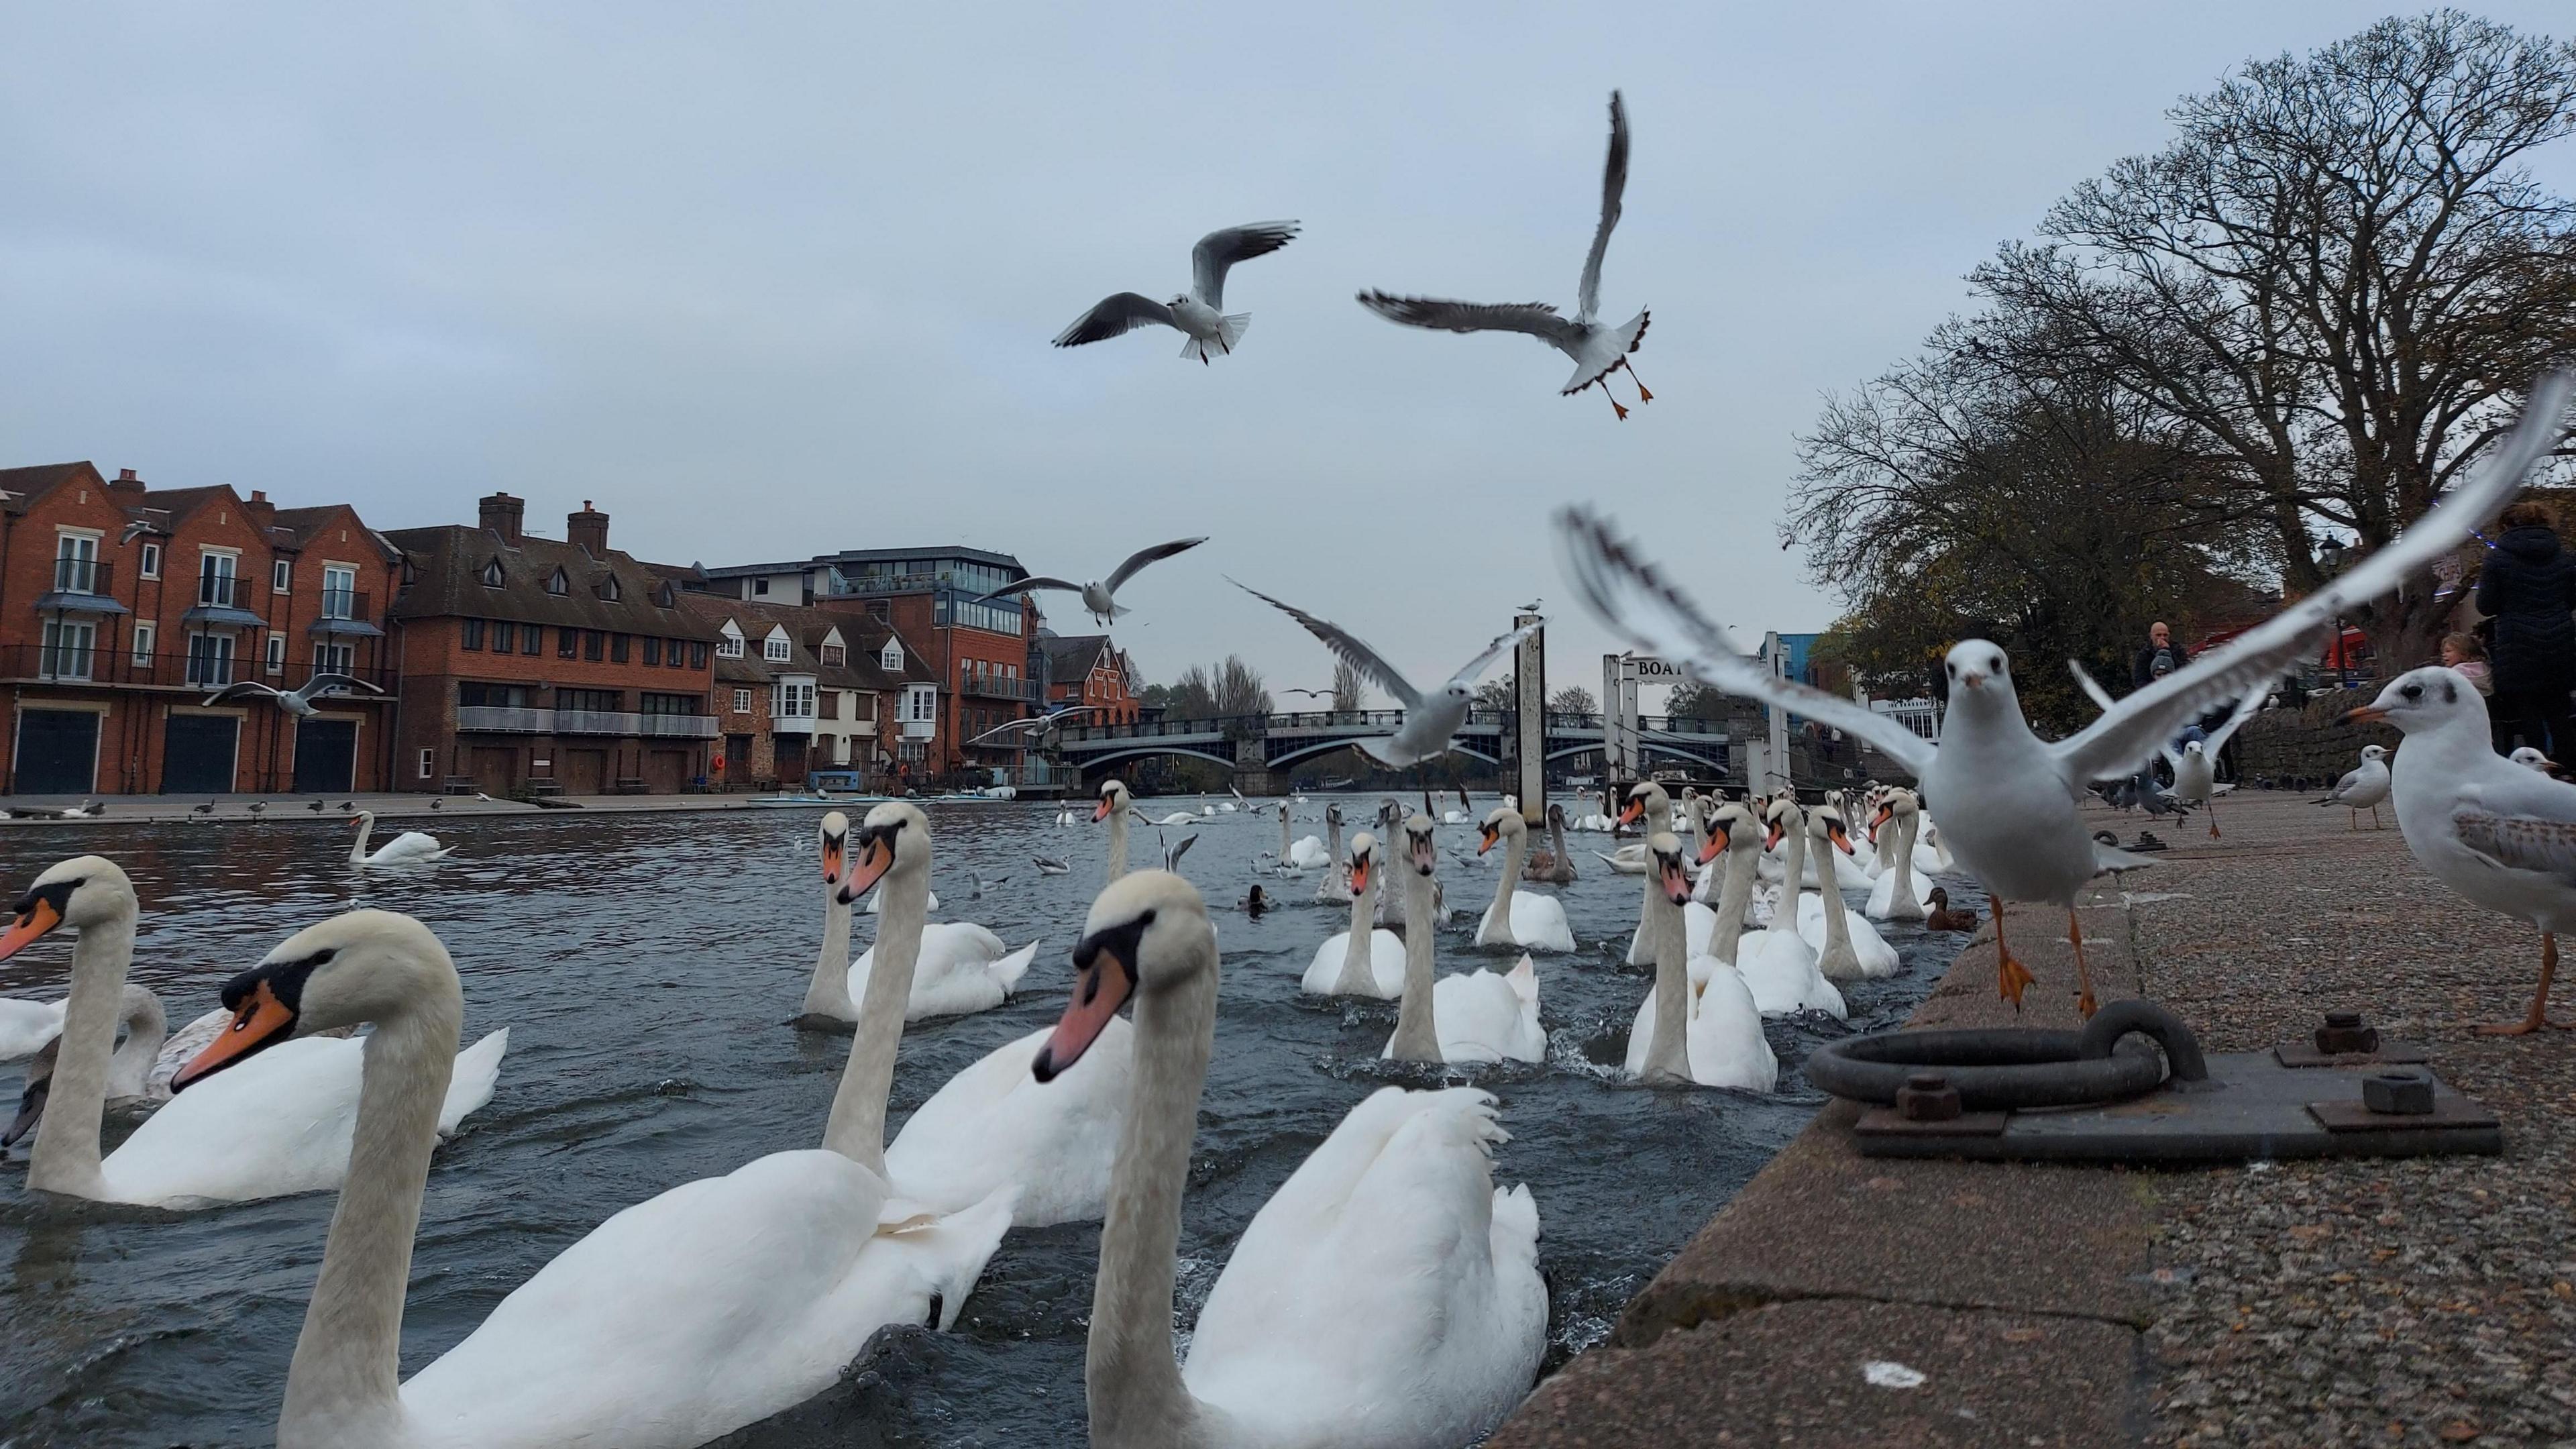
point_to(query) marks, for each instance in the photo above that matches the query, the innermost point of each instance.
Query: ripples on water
(647, 966)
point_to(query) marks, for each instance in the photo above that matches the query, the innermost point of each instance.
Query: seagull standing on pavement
(1597, 350)
(1198, 313)
(2362, 787)
(299, 702)
(1430, 719)
(2195, 764)
(2008, 797)
(2500, 834)
(1099, 598)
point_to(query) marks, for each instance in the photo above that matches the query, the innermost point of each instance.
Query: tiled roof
(806, 627)
(19, 486)
(1070, 659)
(448, 564)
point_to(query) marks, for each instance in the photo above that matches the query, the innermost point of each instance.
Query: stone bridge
(1270, 745)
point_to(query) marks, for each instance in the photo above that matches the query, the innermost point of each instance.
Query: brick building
(123, 607)
(1086, 669)
(802, 691)
(532, 664)
(975, 651)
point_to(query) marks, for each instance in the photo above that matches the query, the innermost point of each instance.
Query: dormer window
(774, 647)
(556, 583)
(492, 574)
(730, 646)
(891, 656)
(608, 588)
(833, 655)
(666, 597)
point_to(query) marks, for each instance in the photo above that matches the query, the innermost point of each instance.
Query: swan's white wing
(1111, 315)
(1347, 648)
(2102, 698)
(994, 1125)
(1219, 250)
(1144, 556)
(25, 1026)
(478, 1071)
(2119, 741)
(277, 1124)
(1614, 183)
(1538, 319)
(1629, 596)
(1496, 650)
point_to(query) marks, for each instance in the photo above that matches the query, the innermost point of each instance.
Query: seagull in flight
(1099, 598)
(1430, 719)
(2007, 797)
(299, 702)
(1597, 350)
(1199, 313)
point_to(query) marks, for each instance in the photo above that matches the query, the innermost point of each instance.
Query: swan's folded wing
(478, 1071)
(1633, 599)
(2128, 735)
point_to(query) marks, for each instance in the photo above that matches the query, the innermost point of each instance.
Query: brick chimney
(262, 512)
(589, 529)
(503, 514)
(127, 488)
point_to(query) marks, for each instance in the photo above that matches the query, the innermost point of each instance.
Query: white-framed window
(281, 576)
(68, 646)
(791, 699)
(730, 646)
(428, 763)
(215, 578)
(334, 658)
(891, 656)
(144, 632)
(774, 647)
(210, 657)
(339, 591)
(150, 566)
(920, 703)
(492, 574)
(275, 662)
(742, 701)
(76, 562)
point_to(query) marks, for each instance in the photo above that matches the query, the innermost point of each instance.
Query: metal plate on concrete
(2250, 1107)
(2389, 1054)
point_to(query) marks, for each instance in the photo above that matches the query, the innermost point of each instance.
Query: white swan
(1848, 947)
(684, 1317)
(1517, 917)
(1626, 860)
(1778, 964)
(1363, 960)
(409, 848)
(1473, 1016)
(25, 1026)
(963, 968)
(1309, 854)
(1115, 806)
(1698, 1023)
(991, 1127)
(139, 1070)
(1899, 893)
(1335, 887)
(1387, 1295)
(283, 1128)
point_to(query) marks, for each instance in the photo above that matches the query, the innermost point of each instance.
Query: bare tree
(1349, 695)
(1497, 693)
(1573, 699)
(1239, 689)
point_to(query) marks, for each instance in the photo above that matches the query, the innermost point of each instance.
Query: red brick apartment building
(975, 651)
(802, 692)
(122, 607)
(535, 665)
(1087, 669)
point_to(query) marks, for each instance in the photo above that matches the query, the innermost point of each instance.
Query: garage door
(326, 756)
(583, 772)
(495, 769)
(791, 760)
(197, 754)
(57, 751)
(665, 771)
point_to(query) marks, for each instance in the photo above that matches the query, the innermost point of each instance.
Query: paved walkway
(2295, 1304)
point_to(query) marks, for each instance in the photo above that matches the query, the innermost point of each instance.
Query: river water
(648, 966)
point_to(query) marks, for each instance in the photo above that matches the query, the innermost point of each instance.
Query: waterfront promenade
(2426, 1302)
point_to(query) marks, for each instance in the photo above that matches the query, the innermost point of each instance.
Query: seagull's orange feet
(2539, 1016)
(2084, 1002)
(2213, 827)
(2011, 977)
(1614, 403)
(1643, 396)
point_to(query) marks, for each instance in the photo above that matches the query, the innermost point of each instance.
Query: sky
(765, 281)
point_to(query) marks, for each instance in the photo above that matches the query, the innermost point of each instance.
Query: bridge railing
(1362, 721)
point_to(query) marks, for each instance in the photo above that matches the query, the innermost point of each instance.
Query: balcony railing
(83, 576)
(680, 726)
(919, 729)
(113, 662)
(598, 722)
(70, 663)
(505, 719)
(994, 686)
(216, 591)
(514, 719)
(345, 604)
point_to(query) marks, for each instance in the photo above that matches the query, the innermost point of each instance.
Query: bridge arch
(1093, 765)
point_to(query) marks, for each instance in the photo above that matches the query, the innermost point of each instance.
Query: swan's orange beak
(1491, 833)
(1633, 811)
(1104, 965)
(1834, 833)
(2367, 714)
(1104, 810)
(1884, 815)
(37, 916)
(836, 850)
(1715, 847)
(1772, 840)
(261, 1021)
(876, 857)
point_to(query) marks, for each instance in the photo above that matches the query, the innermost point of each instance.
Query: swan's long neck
(1797, 881)
(1889, 850)
(1117, 846)
(856, 1128)
(1699, 825)
(129, 1072)
(1515, 859)
(1556, 842)
(343, 1385)
(1668, 1060)
(1283, 835)
(1734, 895)
(1133, 1384)
(1359, 974)
(366, 832)
(829, 992)
(1417, 1038)
(65, 1158)
(1903, 891)
(1837, 915)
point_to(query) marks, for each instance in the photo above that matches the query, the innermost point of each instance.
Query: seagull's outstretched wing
(1346, 648)
(1496, 650)
(246, 689)
(322, 684)
(1114, 314)
(2119, 740)
(2102, 698)
(1172, 854)
(2246, 709)
(1629, 596)
(1538, 319)
(1031, 585)
(1614, 183)
(1144, 556)
(1219, 250)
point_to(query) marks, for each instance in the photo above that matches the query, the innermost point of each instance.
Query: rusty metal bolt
(2345, 1032)
(1927, 1097)
(2398, 1093)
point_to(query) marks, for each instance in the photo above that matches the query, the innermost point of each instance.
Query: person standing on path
(2529, 587)
(2160, 646)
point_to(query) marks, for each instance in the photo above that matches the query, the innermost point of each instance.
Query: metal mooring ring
(2007, 1069)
